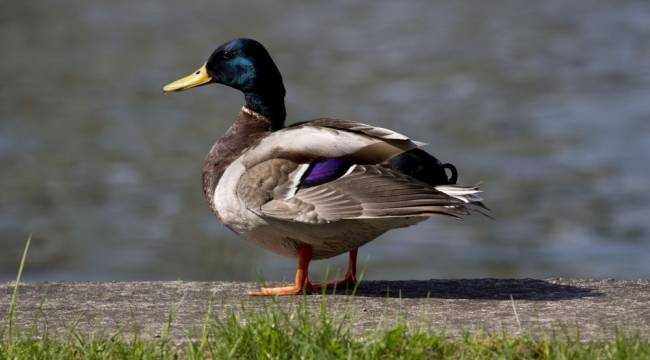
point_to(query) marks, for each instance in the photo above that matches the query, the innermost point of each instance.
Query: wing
(329, 170)
(365, 192)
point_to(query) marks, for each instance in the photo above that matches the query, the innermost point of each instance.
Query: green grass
(281, 334)
(278, 332)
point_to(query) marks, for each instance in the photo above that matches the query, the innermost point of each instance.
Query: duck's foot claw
(282, 291)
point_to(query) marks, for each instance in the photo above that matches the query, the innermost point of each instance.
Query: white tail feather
(466, 194)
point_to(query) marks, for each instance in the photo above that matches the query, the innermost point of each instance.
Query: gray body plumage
(251, 179)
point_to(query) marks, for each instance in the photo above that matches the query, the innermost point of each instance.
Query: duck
(313, 189)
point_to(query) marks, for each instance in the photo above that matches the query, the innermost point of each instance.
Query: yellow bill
(198, 78)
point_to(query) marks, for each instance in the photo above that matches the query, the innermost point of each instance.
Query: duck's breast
(234, 214)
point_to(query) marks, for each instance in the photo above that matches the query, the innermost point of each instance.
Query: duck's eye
(228, 54)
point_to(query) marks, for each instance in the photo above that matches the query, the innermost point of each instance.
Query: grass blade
(14, 296)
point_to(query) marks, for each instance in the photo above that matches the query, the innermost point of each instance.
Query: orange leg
(302, 277)
(349, 279)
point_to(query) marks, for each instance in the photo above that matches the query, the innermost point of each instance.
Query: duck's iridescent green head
(243, 64)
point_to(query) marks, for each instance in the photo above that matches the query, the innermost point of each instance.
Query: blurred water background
(547, 103)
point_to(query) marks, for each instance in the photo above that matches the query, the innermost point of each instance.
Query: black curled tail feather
(424, 167)
(453, 177)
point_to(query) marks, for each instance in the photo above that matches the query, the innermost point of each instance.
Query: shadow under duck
(314, 189)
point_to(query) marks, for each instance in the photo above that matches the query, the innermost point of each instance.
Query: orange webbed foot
(282, 291)
(301, 284)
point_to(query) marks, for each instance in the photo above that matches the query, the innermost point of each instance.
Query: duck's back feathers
(330, 139)
(356, 127)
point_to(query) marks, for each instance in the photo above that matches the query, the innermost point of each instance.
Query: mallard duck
(318, 188)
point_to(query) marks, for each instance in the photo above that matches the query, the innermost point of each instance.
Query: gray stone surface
(593, 308)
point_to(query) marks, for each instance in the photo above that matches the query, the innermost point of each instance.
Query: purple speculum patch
(324, 170)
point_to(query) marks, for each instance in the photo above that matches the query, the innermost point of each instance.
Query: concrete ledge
(595, 308)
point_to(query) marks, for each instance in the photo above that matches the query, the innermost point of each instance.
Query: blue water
(545, 103)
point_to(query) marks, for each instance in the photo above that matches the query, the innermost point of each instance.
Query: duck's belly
(326, 240)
